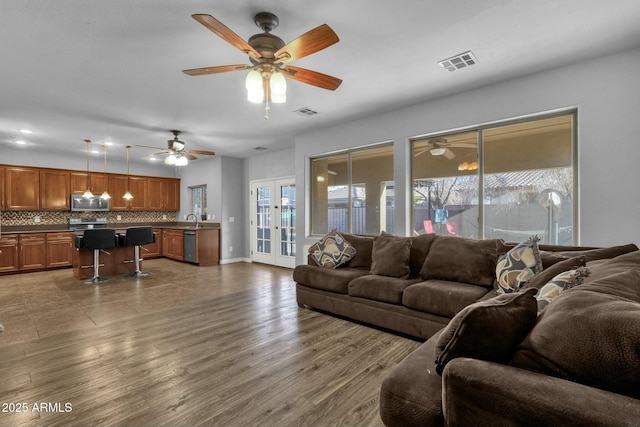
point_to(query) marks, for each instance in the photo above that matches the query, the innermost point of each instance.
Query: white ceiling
(111, 70)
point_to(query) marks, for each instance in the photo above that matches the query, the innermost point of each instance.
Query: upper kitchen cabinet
(22, 188)
(163, 194)
(136, 185)
(98, 182)
(55, 187)
(2, 188)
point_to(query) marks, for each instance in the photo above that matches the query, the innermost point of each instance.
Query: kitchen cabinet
(163, 194)
(55, 188)
(98, 182)
(137, 186)
(173, 244)
(32, 251)
(60, 248)
(2, 189)
(22, 188)
(207, 248)
(9, 253)
(153, 250)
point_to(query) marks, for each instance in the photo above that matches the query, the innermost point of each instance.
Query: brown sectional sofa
(418, 305)
(579, 364)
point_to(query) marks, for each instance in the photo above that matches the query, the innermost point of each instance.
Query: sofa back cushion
(590, 334)
(458, 259)
(420, 246)
(390, 256)
(363, 246)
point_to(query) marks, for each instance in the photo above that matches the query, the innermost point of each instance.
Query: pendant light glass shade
(87, 193)
(253, 84)
(182, 161)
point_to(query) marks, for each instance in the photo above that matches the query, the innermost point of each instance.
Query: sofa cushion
(590, 334)
(336, 280)
(332, 250)
(441, 297)
(560, 283)
(600, 253)
(458, 259)
(420, 246)
(488, 330)
(411, 394)
(363, 246)
(390, 256)
(606, 267)
(542, 278)
(380, 288)
(518, 265)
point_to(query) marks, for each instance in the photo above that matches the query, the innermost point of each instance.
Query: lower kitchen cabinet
(9, 253)
(153, 250)
(173, 244)
(59, 249)
(33, 251)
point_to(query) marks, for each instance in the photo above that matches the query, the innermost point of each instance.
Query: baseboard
(234, 260)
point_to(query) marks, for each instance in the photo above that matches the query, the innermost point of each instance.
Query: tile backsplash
(12, 218)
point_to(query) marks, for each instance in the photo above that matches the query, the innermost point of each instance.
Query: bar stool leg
(137, 272)
(96, 266)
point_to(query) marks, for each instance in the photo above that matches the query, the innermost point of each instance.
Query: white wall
(606, 93)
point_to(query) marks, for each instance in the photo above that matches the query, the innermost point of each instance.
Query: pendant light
(128, 195)
(105, 195)
(87, 194)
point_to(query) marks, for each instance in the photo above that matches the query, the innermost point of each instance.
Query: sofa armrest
(489, 394)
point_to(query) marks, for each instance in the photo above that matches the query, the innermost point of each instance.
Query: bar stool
(98, 240)
(137, 237)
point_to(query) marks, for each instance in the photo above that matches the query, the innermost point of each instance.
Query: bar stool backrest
(100, 238)
(139, 236)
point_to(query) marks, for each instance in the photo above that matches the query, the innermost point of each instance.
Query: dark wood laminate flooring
(222, 345)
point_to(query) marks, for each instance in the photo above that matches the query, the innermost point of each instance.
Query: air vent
(459, 61)
(260, 148)
(307, 112)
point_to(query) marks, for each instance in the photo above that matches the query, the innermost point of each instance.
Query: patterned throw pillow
(559, 284)
(332, 250)
(518, 266)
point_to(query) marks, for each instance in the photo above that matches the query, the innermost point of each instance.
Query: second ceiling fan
(269, 56)
(177, 154)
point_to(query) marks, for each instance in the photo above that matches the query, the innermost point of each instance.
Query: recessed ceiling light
(25, 131)
(108, 143)
(21, 142)
(95, 151)
(153, 159)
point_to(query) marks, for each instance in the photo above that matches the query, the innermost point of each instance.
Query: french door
(273, 222)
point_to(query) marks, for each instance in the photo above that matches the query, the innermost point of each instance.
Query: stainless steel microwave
(95, 203)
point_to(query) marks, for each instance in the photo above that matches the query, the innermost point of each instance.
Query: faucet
(195, 218)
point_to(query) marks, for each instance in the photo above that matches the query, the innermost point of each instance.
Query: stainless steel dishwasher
(190, 246)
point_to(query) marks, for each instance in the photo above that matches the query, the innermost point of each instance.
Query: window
(507, 181)
(353, 191)
(199, 199)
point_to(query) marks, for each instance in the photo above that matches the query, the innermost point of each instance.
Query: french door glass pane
(445, 185)
(288, 220)
(263, 219)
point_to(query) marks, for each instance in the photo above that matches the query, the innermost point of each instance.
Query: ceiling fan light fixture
(253, 84)
(181, 161)
(278, 87)
(170, 160)
(438, 151)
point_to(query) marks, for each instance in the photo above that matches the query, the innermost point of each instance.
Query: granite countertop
(120, 227)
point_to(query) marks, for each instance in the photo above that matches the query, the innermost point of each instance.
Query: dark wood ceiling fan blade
(310, 42)
(217, 69)
(203, 152)
(314, 78)
(226, 33)
(148, 146)
(189, 156)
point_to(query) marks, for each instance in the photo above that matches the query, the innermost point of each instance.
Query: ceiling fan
(177, 155)
(441, 147)
(269, 54)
